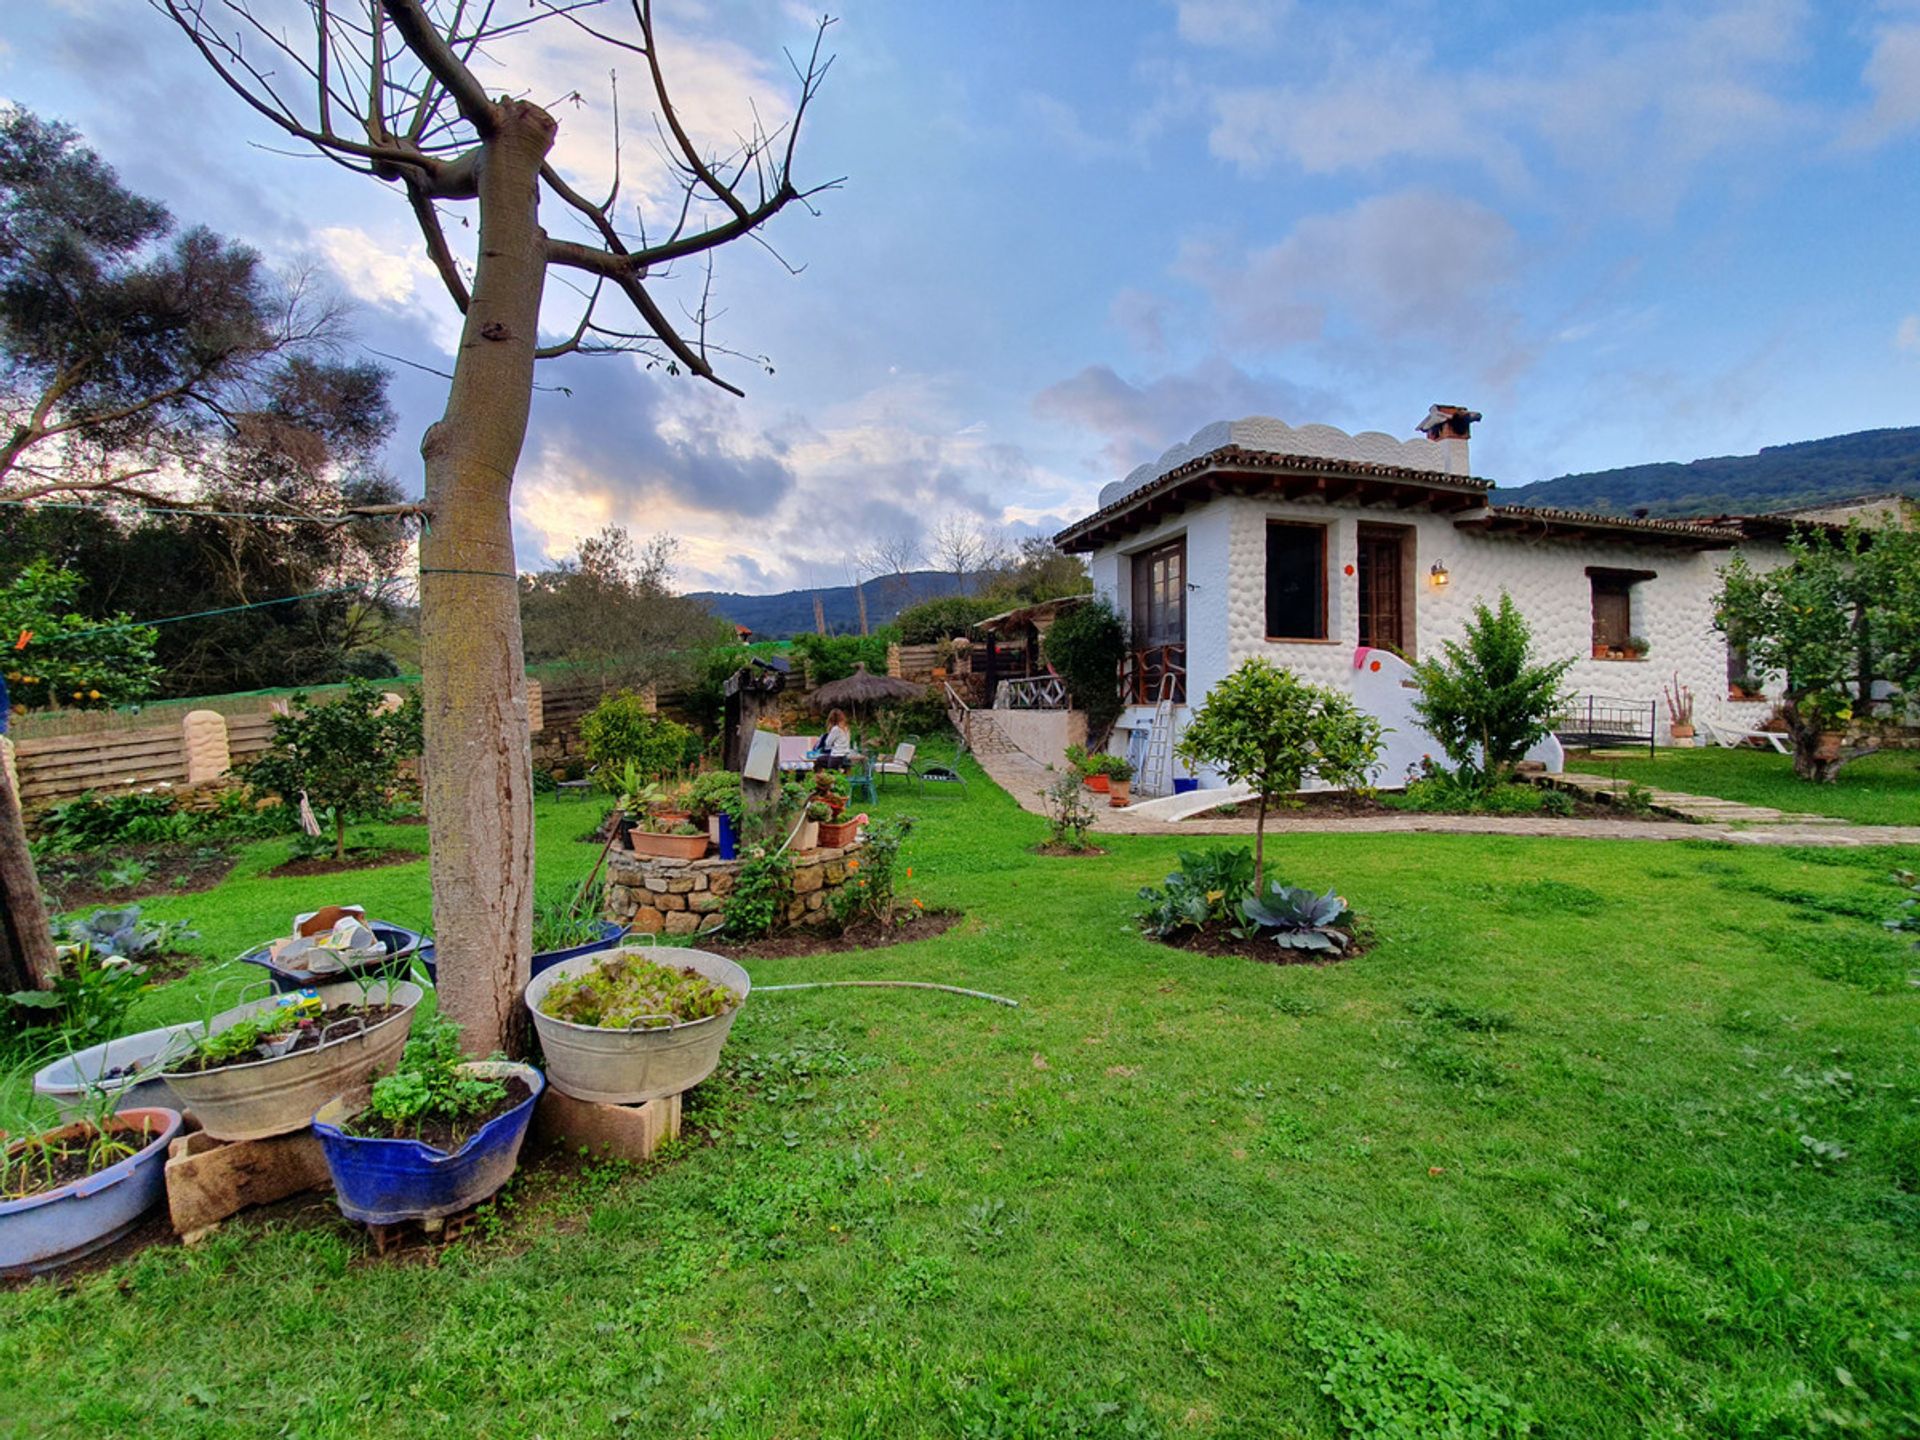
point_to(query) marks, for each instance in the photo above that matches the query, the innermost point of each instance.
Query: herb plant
(428, 1084)
(626, 991)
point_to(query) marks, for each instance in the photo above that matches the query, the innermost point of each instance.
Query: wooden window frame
(1266, 582)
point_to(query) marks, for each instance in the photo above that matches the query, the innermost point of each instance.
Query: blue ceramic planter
(42, 1231)
(729, 845)
(1185, 785)
(381, 1182)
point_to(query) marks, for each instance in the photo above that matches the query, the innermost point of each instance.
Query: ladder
(1156, 769)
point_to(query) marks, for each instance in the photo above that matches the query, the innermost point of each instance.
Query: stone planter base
(654, 896)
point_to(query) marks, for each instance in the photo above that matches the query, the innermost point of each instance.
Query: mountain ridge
(790, 612)
(1777, 477)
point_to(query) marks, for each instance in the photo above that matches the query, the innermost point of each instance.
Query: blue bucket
(729, 846)
(1185, 785)
(381, 1182)
(542, 960)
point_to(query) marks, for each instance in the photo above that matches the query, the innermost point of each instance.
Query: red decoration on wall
(1349, 569)
(1374, 666)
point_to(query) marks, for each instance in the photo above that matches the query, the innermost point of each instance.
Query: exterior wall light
(1440, 576)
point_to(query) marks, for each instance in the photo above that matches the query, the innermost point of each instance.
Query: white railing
(1031, 692)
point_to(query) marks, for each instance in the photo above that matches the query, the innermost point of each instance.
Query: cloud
(1228, 22)
(1058, 124)
(1892, 77)
(1139, 420)
(1414, 266)
(371, 271)
(1906, 335)
(1639, 101)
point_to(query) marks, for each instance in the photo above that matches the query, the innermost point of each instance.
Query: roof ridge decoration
(1322, 442)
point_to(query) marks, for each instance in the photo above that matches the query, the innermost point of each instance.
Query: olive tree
(1839, 623)
(1265, 727)
(426, 96)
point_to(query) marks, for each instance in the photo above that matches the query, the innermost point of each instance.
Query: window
(1613, 608)
(1296, 581)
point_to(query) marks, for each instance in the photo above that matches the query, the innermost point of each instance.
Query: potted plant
(328, 1040)
(1601, 650)
(566, 924)
(1637, 648)
(435, 1137)
(682, 840)
(716, 799)
(68, 1191)
(673, 805)
(1679, 710)
(636, 1023)
(1119, 773)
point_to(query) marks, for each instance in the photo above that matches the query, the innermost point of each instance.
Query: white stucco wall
(1226, 615)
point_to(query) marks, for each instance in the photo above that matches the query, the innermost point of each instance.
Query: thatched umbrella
(862, 689)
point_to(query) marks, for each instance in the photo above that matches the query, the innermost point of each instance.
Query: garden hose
(888, 985)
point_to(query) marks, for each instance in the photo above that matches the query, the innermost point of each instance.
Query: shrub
(872, 873)
(1070, 814)
(761, 890)
(1207, 889)
(1487, 701)
(622, 731)
(1265, 727)
(1086, 645)
(345, 756)
(832, 657)
(935, 620)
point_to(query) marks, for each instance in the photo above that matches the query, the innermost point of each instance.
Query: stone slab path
(1026, 779)
(1704, 809)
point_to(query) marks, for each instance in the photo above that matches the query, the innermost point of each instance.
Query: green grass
(1627, 1133)
(1882, 789)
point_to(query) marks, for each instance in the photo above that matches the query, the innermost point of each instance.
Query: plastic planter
(381, 1182)
(274, 1097)
(42, 1231)
(625, 1067)
(67, 1080)
(399, 944)
(667, 847)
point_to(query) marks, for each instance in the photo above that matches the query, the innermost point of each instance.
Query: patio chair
(580, 787)
(901, 763)
(860, 784)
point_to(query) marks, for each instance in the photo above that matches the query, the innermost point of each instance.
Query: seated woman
(836, 746)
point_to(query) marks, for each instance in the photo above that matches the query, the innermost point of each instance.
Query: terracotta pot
(1681, 731)
(667, 847)
(1097, 784)
(1121, 793)
(837, 833)
(1599, 652)
(1827, 747)
(673, 817)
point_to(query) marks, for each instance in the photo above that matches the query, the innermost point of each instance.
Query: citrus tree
(57, 657)
(1839, 623)
(1487, 701)
(344, 756)
(1265, 727)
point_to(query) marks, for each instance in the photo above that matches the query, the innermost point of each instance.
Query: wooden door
(1381, 567)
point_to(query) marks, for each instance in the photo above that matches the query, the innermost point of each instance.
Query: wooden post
(26, 937)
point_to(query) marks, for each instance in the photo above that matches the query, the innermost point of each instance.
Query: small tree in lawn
(1488, 701)
(1265, 727)
(1838, 620)
(345, 756)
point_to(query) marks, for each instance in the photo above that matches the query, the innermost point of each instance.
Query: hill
(1780, 477)
(790, 612)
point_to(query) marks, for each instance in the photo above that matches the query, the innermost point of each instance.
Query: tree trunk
(339, 832)
(479, 779)
(1805, 738)
(1260, 849)
(26, 940)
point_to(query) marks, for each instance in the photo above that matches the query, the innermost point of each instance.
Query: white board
(762, 756)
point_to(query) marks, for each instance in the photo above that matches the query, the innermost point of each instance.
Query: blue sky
(1072, 233)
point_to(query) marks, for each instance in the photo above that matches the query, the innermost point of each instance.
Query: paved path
(1025, 778)
(1703, 809)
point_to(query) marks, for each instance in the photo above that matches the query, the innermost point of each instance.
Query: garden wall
(685, 897)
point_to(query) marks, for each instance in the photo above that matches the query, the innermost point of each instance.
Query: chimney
(1450, 425)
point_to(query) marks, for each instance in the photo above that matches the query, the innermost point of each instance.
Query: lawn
(1882, 789)
(1627, 1133)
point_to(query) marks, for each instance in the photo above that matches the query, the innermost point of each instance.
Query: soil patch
(74, 882)
(327, 865)
(449, 1135)
(806, 940)
(66, 1162)
(1068, 850)
(309, 1037)
(1216, 940)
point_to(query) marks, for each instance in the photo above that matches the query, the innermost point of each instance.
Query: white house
(1335, 555)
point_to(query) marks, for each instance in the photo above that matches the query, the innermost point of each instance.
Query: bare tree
(393, 89)
(967, 550)
(886, 560)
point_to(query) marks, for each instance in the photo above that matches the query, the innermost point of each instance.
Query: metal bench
(1607, 722)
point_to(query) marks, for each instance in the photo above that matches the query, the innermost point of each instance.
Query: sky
(1071, 233)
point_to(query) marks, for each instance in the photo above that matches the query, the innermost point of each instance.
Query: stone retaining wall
(684, 897)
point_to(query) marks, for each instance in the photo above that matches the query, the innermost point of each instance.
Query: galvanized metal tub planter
(277, 1096)
(398, 945)
(626, 1067)
(78, 1218)
(382, 1182)
(128, 1067)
